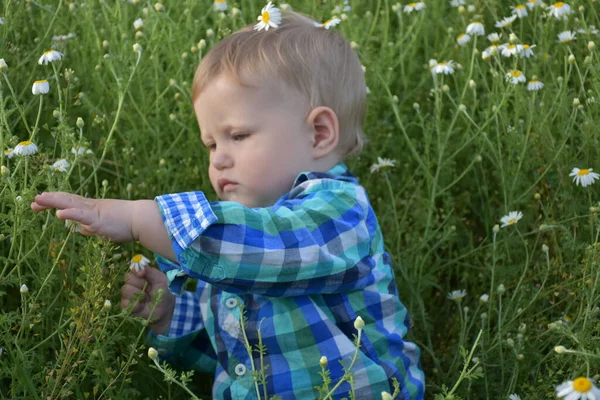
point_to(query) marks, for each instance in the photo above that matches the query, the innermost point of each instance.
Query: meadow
(480, 166)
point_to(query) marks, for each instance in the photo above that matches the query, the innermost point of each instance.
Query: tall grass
(469, 148)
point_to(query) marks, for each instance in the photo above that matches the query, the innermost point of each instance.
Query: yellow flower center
(526, 46)
(558, 5)
(7, 151)
(582, 385)
(48, 52)
(329, 21)
(137, 258)
(462, 35)
(40, 81)
(412, 5)
(265, 17)
(583, 172)
(520, 7)
(25, 143)
(442, 64)
(512, 221)
(220, 1)
(533, 82)
(515, 74)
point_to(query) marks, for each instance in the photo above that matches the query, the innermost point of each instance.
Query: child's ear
(325, 131)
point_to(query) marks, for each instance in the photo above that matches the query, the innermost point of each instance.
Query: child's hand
(154, 280)
(97, 217)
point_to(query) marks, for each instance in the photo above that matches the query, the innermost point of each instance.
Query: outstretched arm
(117, 220)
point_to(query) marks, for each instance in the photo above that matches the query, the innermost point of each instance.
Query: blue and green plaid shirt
(302, 271)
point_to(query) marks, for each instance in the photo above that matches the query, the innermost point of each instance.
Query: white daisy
(410, 7)
(503, 23)
(138, 24)
(559, 9)
(492, 51)
(382, 163)
(61, 166)
(514, 396)
(138, 262)
(578, 389)
(9, 153)
(494, 37)
(511, 49)
(512, 218)
(515, 77)
(526, 51)
(444, 68)
(329, 23)
(1, 21)
(531, 4)
(457, 295)
(585, 177)
(566, 37)
(270, 17)
(457, 3)
(475, 28)
(3, 64)
(24, 289)
(50, 56)
(591, 30)
(25, 148)
(519, 10)
(484, 298)
(40, 87)
(62, 38)
(463, 39)
(220, 5)
(534, 85)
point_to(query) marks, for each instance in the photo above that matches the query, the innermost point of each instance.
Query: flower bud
(323, 361)
(359, 323)
(4, 171)
(104, 183)
(202, 44)
(105, 44)
(354, 45)
(172, 117)
(545, 249)
(576, 101)
(591, 46)
(581, 9)
(478, 158)
(587, 60)
(571, 59)
(496, 228)
(445, 88)
(484, 298)
(152, 353)
(537, 196)
(24, 289)
(472, 84)
(462, 108)
(107, 304)
(461, 10)
(210, 33)
(236, 11)
(137, 48)
(501, 289)
(56, 114)
(159, 7)
(80, 124)
(3, 65)
(395, 99)
(416, 106)
(560, 349)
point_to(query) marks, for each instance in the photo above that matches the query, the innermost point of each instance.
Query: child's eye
(239, 137)
(211, 146)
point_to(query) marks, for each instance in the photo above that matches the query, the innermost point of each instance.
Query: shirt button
(240, 369)
(231, 303)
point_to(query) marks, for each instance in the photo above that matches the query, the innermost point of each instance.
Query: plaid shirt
(302, 270)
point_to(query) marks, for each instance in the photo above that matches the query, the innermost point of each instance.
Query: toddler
(293, 245)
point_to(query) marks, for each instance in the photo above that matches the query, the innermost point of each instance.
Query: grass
(469, 148)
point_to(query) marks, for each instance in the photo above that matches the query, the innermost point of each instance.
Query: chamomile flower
(566, 37)
(512, 218)
(457, 295)
(484, 298)
(382, 163)
(491, 51)
(24, 289)
(457, 3)
(511, 49)
(503, 23)
(9, 153)
(475, 28)
(463, 39)
(515, 77)
(526, 51)
(534, 85)
(25, 148)
(410, 7)
(559, 10)
(138, 24)
(591, 30)
(584, 177)
(445, 68)
(270, 17)
(531, 4)
(40, 87)
(50, 56)
(61, 166)
(72, 225)
(514, 396)
(519, 10)
(494, 37)
(62, 38)
(220, 5)
(3, 64)
(138, 262)
(329, 23)
(578, 389)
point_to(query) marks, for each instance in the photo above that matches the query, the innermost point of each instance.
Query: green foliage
(466, 154)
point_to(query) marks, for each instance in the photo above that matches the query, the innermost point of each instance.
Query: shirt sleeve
(186, 343)
(318, 241)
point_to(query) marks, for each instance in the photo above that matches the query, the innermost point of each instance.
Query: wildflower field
(484, 134)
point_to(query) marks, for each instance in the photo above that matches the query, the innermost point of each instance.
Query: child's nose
(221, 159)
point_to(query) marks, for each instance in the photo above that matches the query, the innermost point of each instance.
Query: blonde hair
(317, 62)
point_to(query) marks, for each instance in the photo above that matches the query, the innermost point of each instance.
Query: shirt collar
(338, 172)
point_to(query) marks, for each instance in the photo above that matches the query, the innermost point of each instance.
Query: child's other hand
(97, 217)
(154, 280)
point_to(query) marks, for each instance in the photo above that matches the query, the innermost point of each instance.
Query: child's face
(257, 137)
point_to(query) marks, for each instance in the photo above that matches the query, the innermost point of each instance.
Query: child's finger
(135, 281)
(80, 215)
(59, 200)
